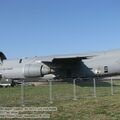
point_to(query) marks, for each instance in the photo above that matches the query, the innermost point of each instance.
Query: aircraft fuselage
(91, 65)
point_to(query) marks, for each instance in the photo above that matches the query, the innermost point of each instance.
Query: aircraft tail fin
(2, 56)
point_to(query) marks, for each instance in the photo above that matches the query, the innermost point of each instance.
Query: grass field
(104, 107)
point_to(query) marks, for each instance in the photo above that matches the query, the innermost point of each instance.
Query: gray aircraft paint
(64, 66)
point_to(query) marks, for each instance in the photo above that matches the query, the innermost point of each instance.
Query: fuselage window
(105, 69)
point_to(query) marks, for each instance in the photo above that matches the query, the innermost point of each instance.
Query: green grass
(86, 107)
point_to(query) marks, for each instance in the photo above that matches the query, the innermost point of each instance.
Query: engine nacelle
(35, 70)
(25, 71)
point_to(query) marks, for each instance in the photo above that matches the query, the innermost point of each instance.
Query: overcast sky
(48, 27)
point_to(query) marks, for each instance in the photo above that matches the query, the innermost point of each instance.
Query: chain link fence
(50, 92)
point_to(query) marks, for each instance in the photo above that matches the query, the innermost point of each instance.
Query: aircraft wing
(67, 58)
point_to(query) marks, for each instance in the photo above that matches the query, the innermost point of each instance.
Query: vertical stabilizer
(2, 56)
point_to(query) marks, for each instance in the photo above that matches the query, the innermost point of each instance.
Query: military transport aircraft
(100, 64)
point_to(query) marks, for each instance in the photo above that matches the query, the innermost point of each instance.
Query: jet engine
(24, 71)
(34, 70)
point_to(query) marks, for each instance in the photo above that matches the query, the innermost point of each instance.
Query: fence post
(111, 86)
(50, 91)
(94, 83)
(74, 90)
(22, 93)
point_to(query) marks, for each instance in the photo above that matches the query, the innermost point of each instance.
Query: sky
(52, 27)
